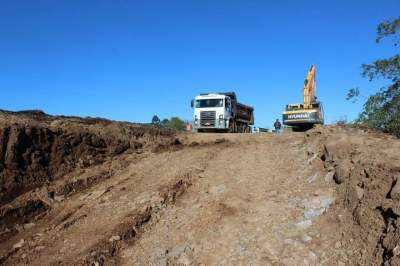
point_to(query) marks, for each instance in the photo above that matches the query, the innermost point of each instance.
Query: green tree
(382, 110)
(164, 122)
(155, 120)
(176, 123)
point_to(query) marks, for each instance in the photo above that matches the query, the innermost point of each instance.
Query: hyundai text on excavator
(303, 116)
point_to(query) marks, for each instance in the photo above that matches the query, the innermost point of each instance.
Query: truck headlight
(221, 117)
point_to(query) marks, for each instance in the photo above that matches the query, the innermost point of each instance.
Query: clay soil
(96, 192)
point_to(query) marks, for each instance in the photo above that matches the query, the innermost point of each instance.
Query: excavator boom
(309, 89)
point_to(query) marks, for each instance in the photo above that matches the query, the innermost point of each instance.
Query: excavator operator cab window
(294, 107)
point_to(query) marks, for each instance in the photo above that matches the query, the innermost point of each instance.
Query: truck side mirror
(192, 103)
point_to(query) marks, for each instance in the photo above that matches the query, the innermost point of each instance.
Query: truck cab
(222, 112)
(212, 111)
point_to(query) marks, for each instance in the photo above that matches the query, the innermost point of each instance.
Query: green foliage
(164, 122)
(382, 110)
(388, 28)
(352, 94)
(175, 123)
(385, 68)
(155, 120)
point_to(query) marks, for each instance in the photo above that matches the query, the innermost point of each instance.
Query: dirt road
(216, 199)
(253, 204)
(245, 200)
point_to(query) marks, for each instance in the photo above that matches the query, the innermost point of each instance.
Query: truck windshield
(209, 103)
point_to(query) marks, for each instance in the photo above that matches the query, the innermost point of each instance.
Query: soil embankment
(95, 192)
(365, 166)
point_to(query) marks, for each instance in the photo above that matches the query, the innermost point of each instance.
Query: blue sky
(128, 60)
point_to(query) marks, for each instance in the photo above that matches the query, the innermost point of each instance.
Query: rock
(396, 208)
(39, 248)
(115, 238)
(359, 192)
(303, 225)
(367, 172)
(309, 161)
(326, 202)
(396, 251)
(311, 179)
(329, 176)
(28, 226)
(312, 213)
(19, 245)
(330, 168)
(317, 206)
(59, 198)
(342, 172)
(395, 193)
(18, 227)
(336, 149)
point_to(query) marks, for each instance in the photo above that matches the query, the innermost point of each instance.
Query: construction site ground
(323, 197)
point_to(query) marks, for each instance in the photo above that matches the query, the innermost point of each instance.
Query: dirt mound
(33, 155)
(46, 148)
(366, 168)
(38, 150)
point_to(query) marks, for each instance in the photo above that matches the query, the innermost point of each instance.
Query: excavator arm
(309, 90)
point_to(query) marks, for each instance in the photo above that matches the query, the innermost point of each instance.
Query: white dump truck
(221, 112)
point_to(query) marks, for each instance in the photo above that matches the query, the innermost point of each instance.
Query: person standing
(277, 126)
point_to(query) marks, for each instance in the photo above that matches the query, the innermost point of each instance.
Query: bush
(175, 123)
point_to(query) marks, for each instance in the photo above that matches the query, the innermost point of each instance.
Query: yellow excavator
(303, 116)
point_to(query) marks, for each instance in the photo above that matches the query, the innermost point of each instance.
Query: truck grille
(207, 118)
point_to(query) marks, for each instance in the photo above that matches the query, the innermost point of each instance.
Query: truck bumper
(219, 125)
